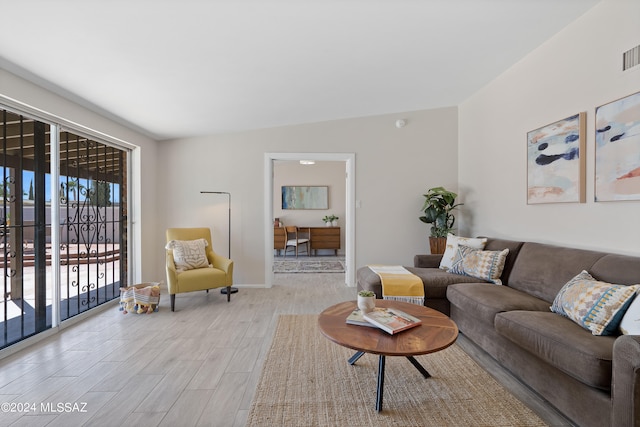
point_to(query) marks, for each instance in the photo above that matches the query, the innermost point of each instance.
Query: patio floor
(88, 278)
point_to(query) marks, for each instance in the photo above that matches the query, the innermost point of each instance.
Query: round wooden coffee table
(436, 333)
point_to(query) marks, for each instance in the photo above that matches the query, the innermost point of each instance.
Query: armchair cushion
(189, 254)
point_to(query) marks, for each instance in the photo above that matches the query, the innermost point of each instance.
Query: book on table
(356, 318)
(391, 320)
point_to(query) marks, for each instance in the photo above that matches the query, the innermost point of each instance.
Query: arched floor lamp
(224, 290)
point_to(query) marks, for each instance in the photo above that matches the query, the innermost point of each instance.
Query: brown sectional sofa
(592, 380)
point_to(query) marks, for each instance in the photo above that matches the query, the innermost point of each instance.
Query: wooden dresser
(320, 238)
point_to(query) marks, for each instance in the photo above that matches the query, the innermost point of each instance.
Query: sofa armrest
(427, 261)
(625, 392)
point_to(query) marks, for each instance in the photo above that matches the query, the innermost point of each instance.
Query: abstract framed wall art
(305, 197)
(617, 171)
(556, 162)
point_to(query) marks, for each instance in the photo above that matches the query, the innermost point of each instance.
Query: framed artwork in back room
(305, 197)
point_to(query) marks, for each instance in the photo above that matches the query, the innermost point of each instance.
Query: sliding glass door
(63, 225)
(27, 288)
(92, 196)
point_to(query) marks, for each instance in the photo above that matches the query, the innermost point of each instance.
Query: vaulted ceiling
(179, 68)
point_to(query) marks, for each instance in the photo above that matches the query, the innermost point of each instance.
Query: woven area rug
(306, 381)
(305, 264)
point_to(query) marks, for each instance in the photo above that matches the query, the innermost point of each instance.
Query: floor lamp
(224, 290)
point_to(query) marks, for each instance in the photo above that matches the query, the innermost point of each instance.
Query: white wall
(577, 70)
(147, 240)
(394, 167)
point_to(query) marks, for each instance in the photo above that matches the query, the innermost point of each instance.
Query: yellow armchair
(197, 279)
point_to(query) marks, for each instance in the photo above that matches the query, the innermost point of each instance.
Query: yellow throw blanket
(399, 284)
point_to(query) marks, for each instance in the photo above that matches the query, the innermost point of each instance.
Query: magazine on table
(391, 320)
(356, 318)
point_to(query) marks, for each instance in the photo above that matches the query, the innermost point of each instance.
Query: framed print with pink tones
(617, 170)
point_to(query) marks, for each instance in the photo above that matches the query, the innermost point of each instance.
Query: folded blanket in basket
(141, 298)
(399, 284)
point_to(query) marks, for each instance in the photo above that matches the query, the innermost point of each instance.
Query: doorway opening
(348, 159)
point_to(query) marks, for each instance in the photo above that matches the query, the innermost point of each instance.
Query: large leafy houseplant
(437, 208)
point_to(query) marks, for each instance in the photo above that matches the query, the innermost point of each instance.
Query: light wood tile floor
(198, 366)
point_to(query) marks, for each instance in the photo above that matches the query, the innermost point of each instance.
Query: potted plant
(330, 220)
(366, 301)
(437, 209)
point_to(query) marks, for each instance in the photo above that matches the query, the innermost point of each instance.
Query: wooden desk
(325, 238)
(279, 238)
(319, 237)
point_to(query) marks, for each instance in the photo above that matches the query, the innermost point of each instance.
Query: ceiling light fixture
(400, 123)
(307, 162)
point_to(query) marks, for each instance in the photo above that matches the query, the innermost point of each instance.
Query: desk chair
(292, 235)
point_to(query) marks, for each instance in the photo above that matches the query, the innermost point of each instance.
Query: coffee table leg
(419, 367)
(353, 359)
(380, 383)
(381, 363)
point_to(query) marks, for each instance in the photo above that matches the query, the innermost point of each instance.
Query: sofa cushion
(452, 248)
(561, 343)
(594, 305)
(485, 300)
(542, 270)
(614, 268)
(436, 281)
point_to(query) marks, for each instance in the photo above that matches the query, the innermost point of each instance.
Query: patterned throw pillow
(452, 245)
(460, 252)
(486, 265)
(594, 305)
(189, 254)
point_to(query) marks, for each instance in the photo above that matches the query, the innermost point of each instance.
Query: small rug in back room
(305, 264)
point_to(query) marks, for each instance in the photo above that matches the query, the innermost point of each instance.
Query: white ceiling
(176, 68)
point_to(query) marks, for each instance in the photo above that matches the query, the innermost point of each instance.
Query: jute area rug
(306, 381)
(305, 264)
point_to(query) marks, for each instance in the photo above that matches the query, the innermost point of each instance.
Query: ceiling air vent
(631, 58)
